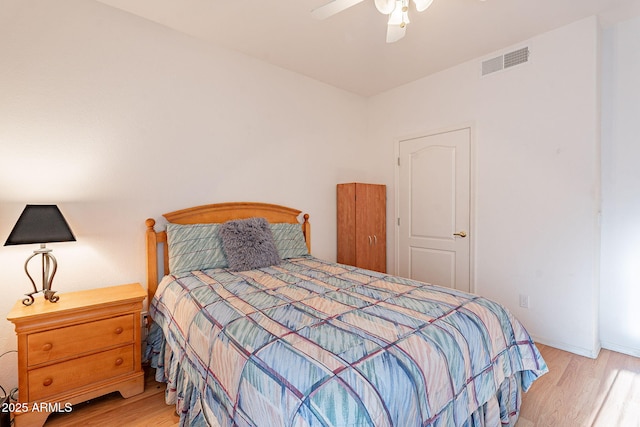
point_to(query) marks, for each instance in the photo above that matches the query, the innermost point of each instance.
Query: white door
(434, 209)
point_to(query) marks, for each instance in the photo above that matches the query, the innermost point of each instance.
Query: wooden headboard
(216, 213)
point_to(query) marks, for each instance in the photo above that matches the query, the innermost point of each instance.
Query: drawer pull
(47, 382)
(47, 347)
(119, 330)
(119, 361)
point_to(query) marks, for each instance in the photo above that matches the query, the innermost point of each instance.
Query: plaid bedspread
(313, 343)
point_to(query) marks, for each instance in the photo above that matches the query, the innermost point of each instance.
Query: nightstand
(83, 346)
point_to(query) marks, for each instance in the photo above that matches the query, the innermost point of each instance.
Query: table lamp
(41, 224)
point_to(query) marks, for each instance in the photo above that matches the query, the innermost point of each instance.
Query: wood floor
(577, 391)
(145, 409)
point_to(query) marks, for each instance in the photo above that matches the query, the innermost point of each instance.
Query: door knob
(461, 234)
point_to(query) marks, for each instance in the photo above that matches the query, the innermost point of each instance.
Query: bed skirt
(196, 406)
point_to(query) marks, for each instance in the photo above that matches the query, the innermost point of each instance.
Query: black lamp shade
(40, 224)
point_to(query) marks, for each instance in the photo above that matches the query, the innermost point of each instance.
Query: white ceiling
(349, 50)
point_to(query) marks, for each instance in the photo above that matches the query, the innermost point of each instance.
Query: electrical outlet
(524, 301)
(144, 320)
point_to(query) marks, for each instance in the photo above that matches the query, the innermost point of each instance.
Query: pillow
(194, 247)
(289, 240)
(248, 244)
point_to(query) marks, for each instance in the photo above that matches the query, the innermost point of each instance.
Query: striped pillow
(289, 240)
(194, 247)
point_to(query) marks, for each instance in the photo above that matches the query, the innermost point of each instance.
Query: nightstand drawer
(55, 379)
(79, 339)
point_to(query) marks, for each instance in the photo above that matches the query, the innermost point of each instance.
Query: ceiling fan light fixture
(422, 5)
(397, 10)
(398, 20)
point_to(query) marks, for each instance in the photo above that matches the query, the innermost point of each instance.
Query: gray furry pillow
(248, 244)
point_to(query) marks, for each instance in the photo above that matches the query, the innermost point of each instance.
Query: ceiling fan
(398, 11)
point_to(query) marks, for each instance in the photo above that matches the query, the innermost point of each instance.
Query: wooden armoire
(362, 228)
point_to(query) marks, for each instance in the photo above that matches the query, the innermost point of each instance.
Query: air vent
(507, 60)
(516, 57)
(492, 65)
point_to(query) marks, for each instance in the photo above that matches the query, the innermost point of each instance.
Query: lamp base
(49, 268)
(48, 295)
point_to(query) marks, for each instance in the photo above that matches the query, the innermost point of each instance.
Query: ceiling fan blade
(395, 32)
(333, 7)
(385, 6)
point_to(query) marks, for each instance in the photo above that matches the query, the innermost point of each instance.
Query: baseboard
(590, 353)
(635, 352)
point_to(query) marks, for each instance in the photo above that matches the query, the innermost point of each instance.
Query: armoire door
(361, 224)
(346, 224)
(371, 230)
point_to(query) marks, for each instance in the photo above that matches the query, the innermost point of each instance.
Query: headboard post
(152, 258)
(306, 230)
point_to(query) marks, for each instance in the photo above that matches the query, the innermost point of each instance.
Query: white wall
(117, 119)
(536, 141)
(620, 283)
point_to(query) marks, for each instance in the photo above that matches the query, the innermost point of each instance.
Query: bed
(300, 341)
